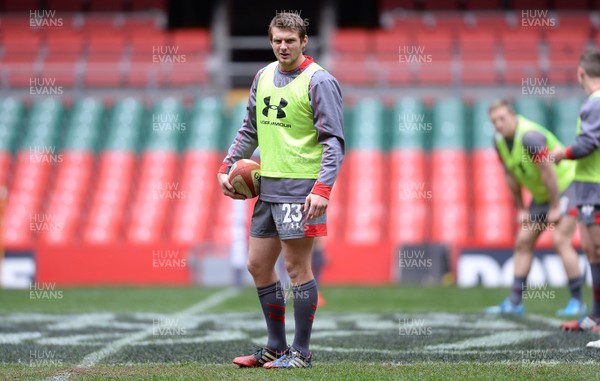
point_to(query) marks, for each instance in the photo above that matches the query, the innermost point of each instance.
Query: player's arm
(536, 146)
(588, 139)
(328, 118)
(244, 144)
(515, 191)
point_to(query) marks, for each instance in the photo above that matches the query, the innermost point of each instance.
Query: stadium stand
(485, 49)
(418, 169)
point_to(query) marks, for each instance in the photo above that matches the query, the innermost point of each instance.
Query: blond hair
(288, 21)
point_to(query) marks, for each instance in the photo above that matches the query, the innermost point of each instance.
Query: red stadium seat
(5, 160)
(437, 43)
(394, 73)
(67, 196)
(520, 72)
(449, 201)
(107, 5)
(21, 73)
(190, 41)
(66, 5)
(192, 72)
(365, 207)
(30, 179)
(21, 49)
(477, 45)
(563, 70)
(104, 66)
(408, 198)
(102, 74)
(571, 4)
(64, 43)
(106, 43)
(389, 5)
(491, 22)
(109, 198)
(488, 178)
(479, 73)
(21, 6)
(149, 4)
(566, 42)
(63, 73)
(437, 72)
(441, 5)
(388, 43)
(354, 72)
(336, 213)
(494, 218)
(520, 45)
(491, 5)
(531, 4)
(449, 23)
(575, 20)
(140, 25)
(155, 194)
(191, 216)
(355, 41)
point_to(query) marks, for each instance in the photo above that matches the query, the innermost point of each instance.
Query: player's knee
(523, 245)
(292, 269)
(255, 268)
(560, 238)
(296, 270)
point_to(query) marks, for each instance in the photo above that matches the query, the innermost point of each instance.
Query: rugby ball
(244, 176)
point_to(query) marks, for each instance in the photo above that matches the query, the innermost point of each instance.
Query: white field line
(430, 351)
(550, 322)
(115, 346)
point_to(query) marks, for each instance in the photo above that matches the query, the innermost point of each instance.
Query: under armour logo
(279, 108)
(587, 210)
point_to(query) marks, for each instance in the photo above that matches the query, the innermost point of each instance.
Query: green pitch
(363, 333)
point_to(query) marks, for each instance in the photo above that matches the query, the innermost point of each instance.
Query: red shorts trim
(317, 230)
(573, 212)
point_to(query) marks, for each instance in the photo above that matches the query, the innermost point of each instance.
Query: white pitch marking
(115, 346)
(84, 339)
(493, 340)
(429, 351)
(212, 337)
(551, 322)
(17, 338)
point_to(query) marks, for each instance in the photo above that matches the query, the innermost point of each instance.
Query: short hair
(590, 62)
(501, 103)
(288, 21)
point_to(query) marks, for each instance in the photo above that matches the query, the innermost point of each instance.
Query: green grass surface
(363, 333)
(328, 372)
(110, 299)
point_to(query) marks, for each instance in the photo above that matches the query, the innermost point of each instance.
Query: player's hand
(227, 188)
(315, 206)
(522, 216)
(553, 215)
(558, 154)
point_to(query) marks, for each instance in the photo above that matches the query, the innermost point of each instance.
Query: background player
(586, 152)
(523, 147)
(295, 115)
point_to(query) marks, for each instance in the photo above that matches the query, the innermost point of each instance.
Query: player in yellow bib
(295, 117)
(523, 147)
(585, 153)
